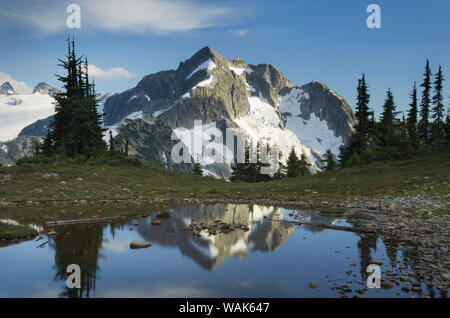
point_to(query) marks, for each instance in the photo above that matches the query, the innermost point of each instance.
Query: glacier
(13, 118)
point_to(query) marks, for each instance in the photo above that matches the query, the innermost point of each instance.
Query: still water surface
(273, 259)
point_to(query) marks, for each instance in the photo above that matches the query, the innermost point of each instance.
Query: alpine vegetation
(391, 137)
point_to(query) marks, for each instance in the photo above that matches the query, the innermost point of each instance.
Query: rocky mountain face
(206, 87)
(7, 89)
(326, 105)
(38, 128)
(149, 139)
(13, 150)
(257, 101)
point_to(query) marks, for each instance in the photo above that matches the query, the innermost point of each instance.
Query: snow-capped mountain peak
(44, 88)
(7, 89)
(256, 100)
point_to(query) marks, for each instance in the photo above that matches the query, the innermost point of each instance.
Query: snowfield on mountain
(18, 111)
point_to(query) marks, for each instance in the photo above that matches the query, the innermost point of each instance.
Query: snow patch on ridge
(209, 65)
(290, 103)
(313, 132)
(133, 97)
(134, 115)
(237, 70)
(204, 83)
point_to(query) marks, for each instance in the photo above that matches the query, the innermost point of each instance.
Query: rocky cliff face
(13, 150)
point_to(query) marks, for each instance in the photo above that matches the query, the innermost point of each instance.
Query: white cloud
(112, 73)
(138, 16)
(19, 86)
(242, 32)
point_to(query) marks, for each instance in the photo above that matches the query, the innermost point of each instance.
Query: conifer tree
(238, 169)
(76, 129)
(425, 105)
(47, 145)
(112, 146)
(387, 118)
(304, 165)
(198, 170)
(252, 167)
(438, 109)
(405, 146)
(412, 118)
(328, 161)
(293, 164)
(362, 112)
(356, 145)
(247, 171)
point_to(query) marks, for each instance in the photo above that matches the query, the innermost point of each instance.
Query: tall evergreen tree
(47, 148)
(293, 164)
(425, 105)
(438, 109)
(387, 118)
(112, 142)
(76, 129)
(362, 112)
(304, 165)
(412, 118)
(355, 148)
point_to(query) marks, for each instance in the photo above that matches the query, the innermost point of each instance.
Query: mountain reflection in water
(274, 258)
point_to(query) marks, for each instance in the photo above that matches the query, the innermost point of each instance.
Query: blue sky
(324, 40)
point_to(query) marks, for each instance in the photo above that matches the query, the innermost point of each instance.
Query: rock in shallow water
(137, 245)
